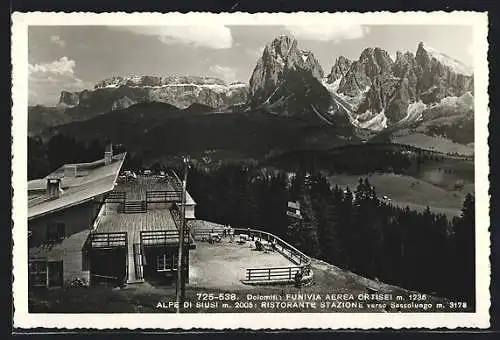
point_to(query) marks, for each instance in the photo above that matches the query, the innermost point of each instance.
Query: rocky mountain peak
(372, 63)
(399, 55)
(280, 57)
(69, 98)
(421, 56)
(440, 76)
(404, 64)
(376, 60)
(339, 69)
(281, 46)
(427, 56)
(377, 85)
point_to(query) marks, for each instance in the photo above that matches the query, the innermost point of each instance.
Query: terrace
(139, 213)
(224, 265)
(234, 264)
(142, 217)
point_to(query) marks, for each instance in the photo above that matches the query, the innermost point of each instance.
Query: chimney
(108, 154)
(70, 170)
(53, 187)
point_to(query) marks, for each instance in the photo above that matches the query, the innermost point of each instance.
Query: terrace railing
(175, 181)
(107, 240)
(132, 207)
(161, 196)
(116, 197)
(270, 274)
(161, 237)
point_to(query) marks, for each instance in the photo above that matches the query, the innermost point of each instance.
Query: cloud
(226, 73)
(47, 80)
(62, 66)
(332, 32)
(215, 37)
(55, 39)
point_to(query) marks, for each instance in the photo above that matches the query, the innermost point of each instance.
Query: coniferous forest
(351, 229)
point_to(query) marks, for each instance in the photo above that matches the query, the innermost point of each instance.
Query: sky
(74, 58)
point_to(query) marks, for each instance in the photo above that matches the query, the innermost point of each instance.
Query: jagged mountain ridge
(373, 93)
(378, 92)
(121, 92)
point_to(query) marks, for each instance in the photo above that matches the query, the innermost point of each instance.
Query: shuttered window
(56, 232)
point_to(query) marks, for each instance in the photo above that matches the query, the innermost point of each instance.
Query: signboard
(294, 210)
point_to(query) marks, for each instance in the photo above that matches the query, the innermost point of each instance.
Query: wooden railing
(132, 207)
(268, 274)
(160, 196)
(302, 261)
(161, 237)
(107, 240)
(116, 197)
(175, 181)
(205, 235)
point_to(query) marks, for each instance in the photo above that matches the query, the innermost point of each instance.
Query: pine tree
(465, 248)
(327, 218)
(303, 233)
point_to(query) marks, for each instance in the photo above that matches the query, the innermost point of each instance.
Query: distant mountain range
(118, 93)
(357, 100)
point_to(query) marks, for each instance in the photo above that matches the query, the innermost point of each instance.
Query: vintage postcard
(259, 171)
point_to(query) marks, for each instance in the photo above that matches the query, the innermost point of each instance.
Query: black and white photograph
(311, 170)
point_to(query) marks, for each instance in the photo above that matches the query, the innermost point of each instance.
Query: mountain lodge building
(88, 224)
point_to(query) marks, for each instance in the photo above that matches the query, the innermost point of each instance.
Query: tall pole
(180, 258)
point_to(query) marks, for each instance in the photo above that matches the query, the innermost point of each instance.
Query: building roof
(92, 179)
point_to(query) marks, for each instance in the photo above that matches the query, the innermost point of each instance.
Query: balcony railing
(107, 240)
(162, 237)
(162, 196)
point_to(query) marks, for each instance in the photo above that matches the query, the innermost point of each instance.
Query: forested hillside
(352, 229)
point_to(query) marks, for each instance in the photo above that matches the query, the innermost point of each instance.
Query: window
(38, 273)
(56, 232)
(46, 274)
(164, 263)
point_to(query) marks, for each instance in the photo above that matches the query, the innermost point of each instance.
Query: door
(55, 273)
(108, 265)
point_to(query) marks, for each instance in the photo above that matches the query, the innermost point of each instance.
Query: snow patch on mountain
(378, 122)
(414, 112)
(464, 102)
(455, 65)
(220, 89)
(332, 87)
